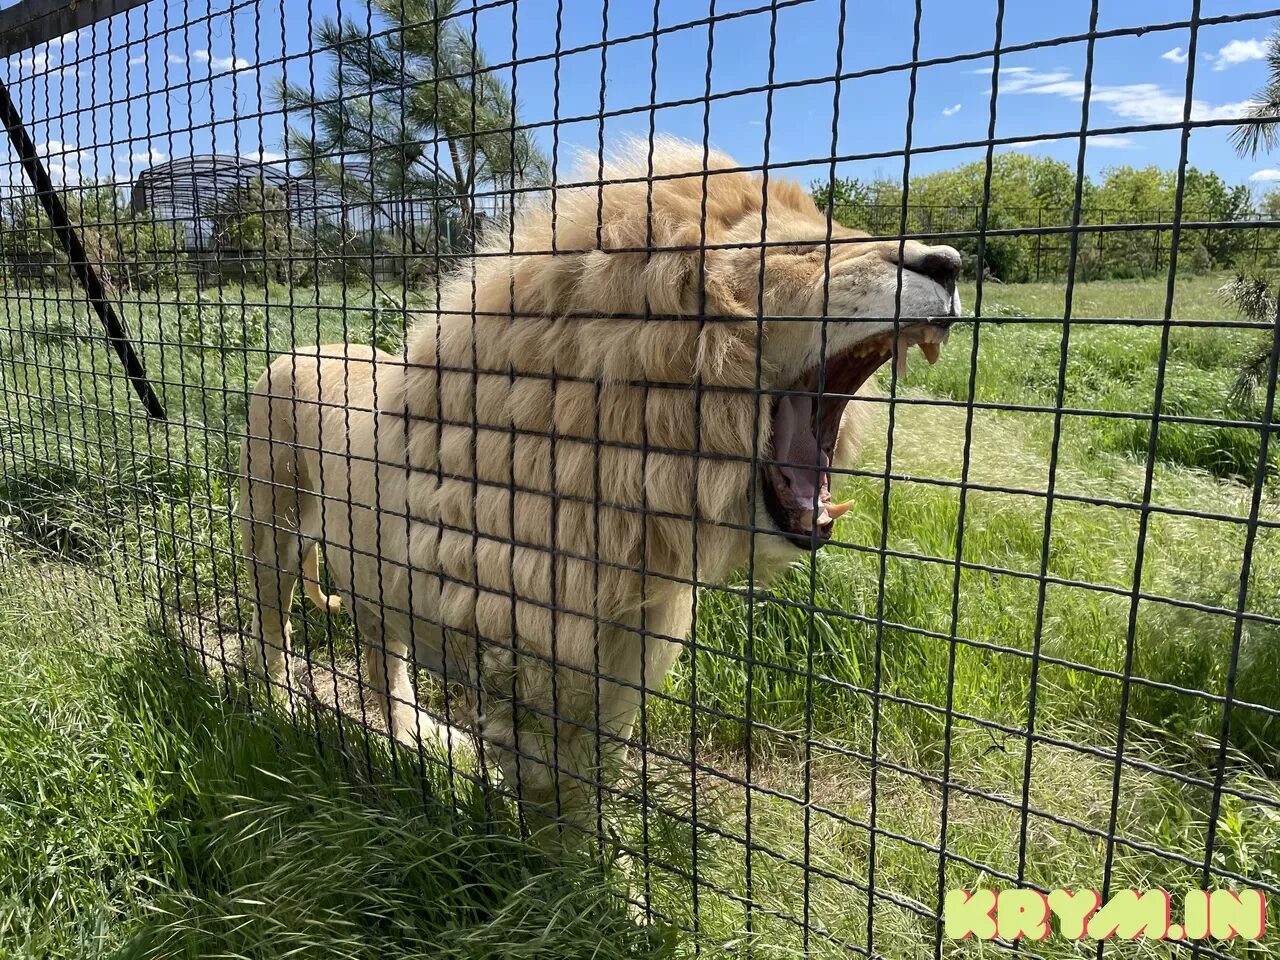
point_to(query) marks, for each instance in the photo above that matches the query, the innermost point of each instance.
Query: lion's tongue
(795, 447)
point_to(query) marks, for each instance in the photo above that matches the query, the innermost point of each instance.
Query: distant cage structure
(300, 220)
(191, 193)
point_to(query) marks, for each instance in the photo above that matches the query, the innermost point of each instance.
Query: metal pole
(1039, 239)
(76, 256)
(1102, 234)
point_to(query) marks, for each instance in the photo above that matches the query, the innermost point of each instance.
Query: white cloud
(1176, 55)
(66, 40)
(33, 62)
(1269, 175)
(61, 160)
(214, 62)
(218, 63)
(129, 165)
(1026, 80)
(229, 63)
(951, 111)
(134, 61)
(1004, 71)
(42, 60)
(1240, 51)
(1113, 142)
(1140, 102)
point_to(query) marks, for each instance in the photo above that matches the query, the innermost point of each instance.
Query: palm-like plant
(412, 113)
(1255, 295)
(1260, 133)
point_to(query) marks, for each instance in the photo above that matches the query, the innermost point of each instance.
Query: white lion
(623, 394)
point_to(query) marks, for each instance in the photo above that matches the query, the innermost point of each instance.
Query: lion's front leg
(388, 684)
(561, 741)
(388, 660)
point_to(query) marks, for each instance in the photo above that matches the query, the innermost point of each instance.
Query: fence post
(1102, 233)
(69, 239)
(1039, 239)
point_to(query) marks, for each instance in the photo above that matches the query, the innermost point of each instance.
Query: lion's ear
(726, 347)
(688, 283)
(722, 298)
(727, 354)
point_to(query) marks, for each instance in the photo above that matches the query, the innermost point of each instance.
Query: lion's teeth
(902, 362)
(930, 350)
(837, 510)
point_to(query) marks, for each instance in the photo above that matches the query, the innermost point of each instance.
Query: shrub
(129, 252)
(149, 255)
(209, 321)
(255, 238)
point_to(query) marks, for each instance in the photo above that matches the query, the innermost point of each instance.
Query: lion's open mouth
(805, 425)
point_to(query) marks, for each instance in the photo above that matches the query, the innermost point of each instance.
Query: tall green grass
(143, 813)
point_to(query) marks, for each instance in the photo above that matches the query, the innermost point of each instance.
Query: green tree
(253, 235)
(412, 112)
(1149, 194)
(1269, 204)
(1255, 295)
(129, 252)
(1210, 198)
(861, 204)
(1026, 191)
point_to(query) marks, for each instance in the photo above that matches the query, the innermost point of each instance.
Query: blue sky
(146, 87)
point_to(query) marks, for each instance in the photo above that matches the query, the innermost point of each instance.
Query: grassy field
(145, 814)
(168, 821)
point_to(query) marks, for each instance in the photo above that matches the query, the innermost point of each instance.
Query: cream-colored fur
(487, 502)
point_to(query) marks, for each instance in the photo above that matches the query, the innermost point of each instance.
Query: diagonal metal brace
(84, 270)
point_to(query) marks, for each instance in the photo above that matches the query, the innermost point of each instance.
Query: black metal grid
(162, 496)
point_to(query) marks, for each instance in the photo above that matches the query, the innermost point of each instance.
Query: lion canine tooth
(930, 350)
(837, 510)
(902, 360)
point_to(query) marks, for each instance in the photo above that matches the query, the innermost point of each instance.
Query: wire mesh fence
(445, 392)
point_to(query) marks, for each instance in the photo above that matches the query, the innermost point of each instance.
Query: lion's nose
(941, 265)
